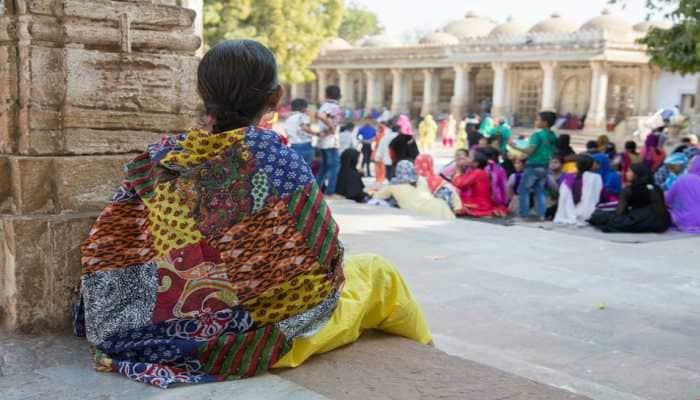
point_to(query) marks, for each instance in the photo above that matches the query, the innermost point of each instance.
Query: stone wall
(83, 83)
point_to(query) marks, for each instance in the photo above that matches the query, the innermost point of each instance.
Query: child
(367, 133)
(514, 183)
(541, 147)
(329, 116)
(629, 157)
(298, 130)
(475, 190)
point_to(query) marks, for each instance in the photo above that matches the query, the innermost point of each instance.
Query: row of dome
(473, 26)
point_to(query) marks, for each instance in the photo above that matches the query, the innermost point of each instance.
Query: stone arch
(529, 101)
(622, 96)
(573, 95)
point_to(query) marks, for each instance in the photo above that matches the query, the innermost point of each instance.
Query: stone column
(596, 118)
(380, 88)
(462, 88)
(499, 106)
(430, 84)
(347, 91)
(322, 82)
(77, 101)
(399, 97)
(297, 91)
(549, 85)
(374, 100)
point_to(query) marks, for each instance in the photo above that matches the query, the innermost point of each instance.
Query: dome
(554, 24)
(439, 39)
(471, 26)
(613, 24)
(509, 28)
(644, 27)
(336, 44)
(379, 41)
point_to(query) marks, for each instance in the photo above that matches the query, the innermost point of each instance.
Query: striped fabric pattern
(243, 355)
(315, 222)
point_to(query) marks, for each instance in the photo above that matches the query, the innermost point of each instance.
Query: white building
(597, 70)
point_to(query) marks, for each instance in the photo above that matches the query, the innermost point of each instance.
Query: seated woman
(641, 208)
(219, 259)
(438, 185)
(579, 194)
(412, 193)
(475, 189)
(612, 181)
(674, 166)
(683, 199)
(349, 184)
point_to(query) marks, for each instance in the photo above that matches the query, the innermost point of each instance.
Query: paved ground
(608, 320)
(602, 319)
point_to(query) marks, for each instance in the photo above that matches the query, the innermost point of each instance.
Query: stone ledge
(386, 367)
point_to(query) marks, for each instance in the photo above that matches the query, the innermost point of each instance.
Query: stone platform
(611, 321)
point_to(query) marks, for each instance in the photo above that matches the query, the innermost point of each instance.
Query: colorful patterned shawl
(215, 253)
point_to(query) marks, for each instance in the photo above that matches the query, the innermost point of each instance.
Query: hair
(584, 163)
(591, 145)
(686, 140)
(490, 153)
(236, 80)
(332, 92)
(299, 105)
(549, 117)
(559, 158)
(465, 151)
(481, 159)
(347, 127)
(631, 145)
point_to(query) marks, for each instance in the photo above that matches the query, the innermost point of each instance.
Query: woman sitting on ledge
(219, 259)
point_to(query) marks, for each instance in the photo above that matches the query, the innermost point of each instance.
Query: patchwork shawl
(214, 254)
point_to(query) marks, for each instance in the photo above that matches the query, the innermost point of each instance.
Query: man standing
(329, 116)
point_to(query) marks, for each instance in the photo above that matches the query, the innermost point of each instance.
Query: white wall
(670, 88)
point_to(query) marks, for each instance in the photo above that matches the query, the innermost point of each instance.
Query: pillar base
(40, 265)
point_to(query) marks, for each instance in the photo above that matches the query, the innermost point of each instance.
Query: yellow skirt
(374, 297)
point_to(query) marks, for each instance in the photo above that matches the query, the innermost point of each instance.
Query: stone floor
(508, 306)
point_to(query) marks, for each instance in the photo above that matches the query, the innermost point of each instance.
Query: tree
(676, 49)
(359, 22)
(294, 30)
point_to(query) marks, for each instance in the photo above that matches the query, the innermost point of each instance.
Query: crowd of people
(495, 174)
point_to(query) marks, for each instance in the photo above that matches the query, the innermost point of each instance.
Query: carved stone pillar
(297, 91)
(84, 85)
(347, 91)
(399, 96)
(430, 91)
(596, 117)
(462, 89)
(322, 82)
(549, 85)
(499, 105)
(375, 89)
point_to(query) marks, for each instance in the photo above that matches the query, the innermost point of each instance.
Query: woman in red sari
(475, 189)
